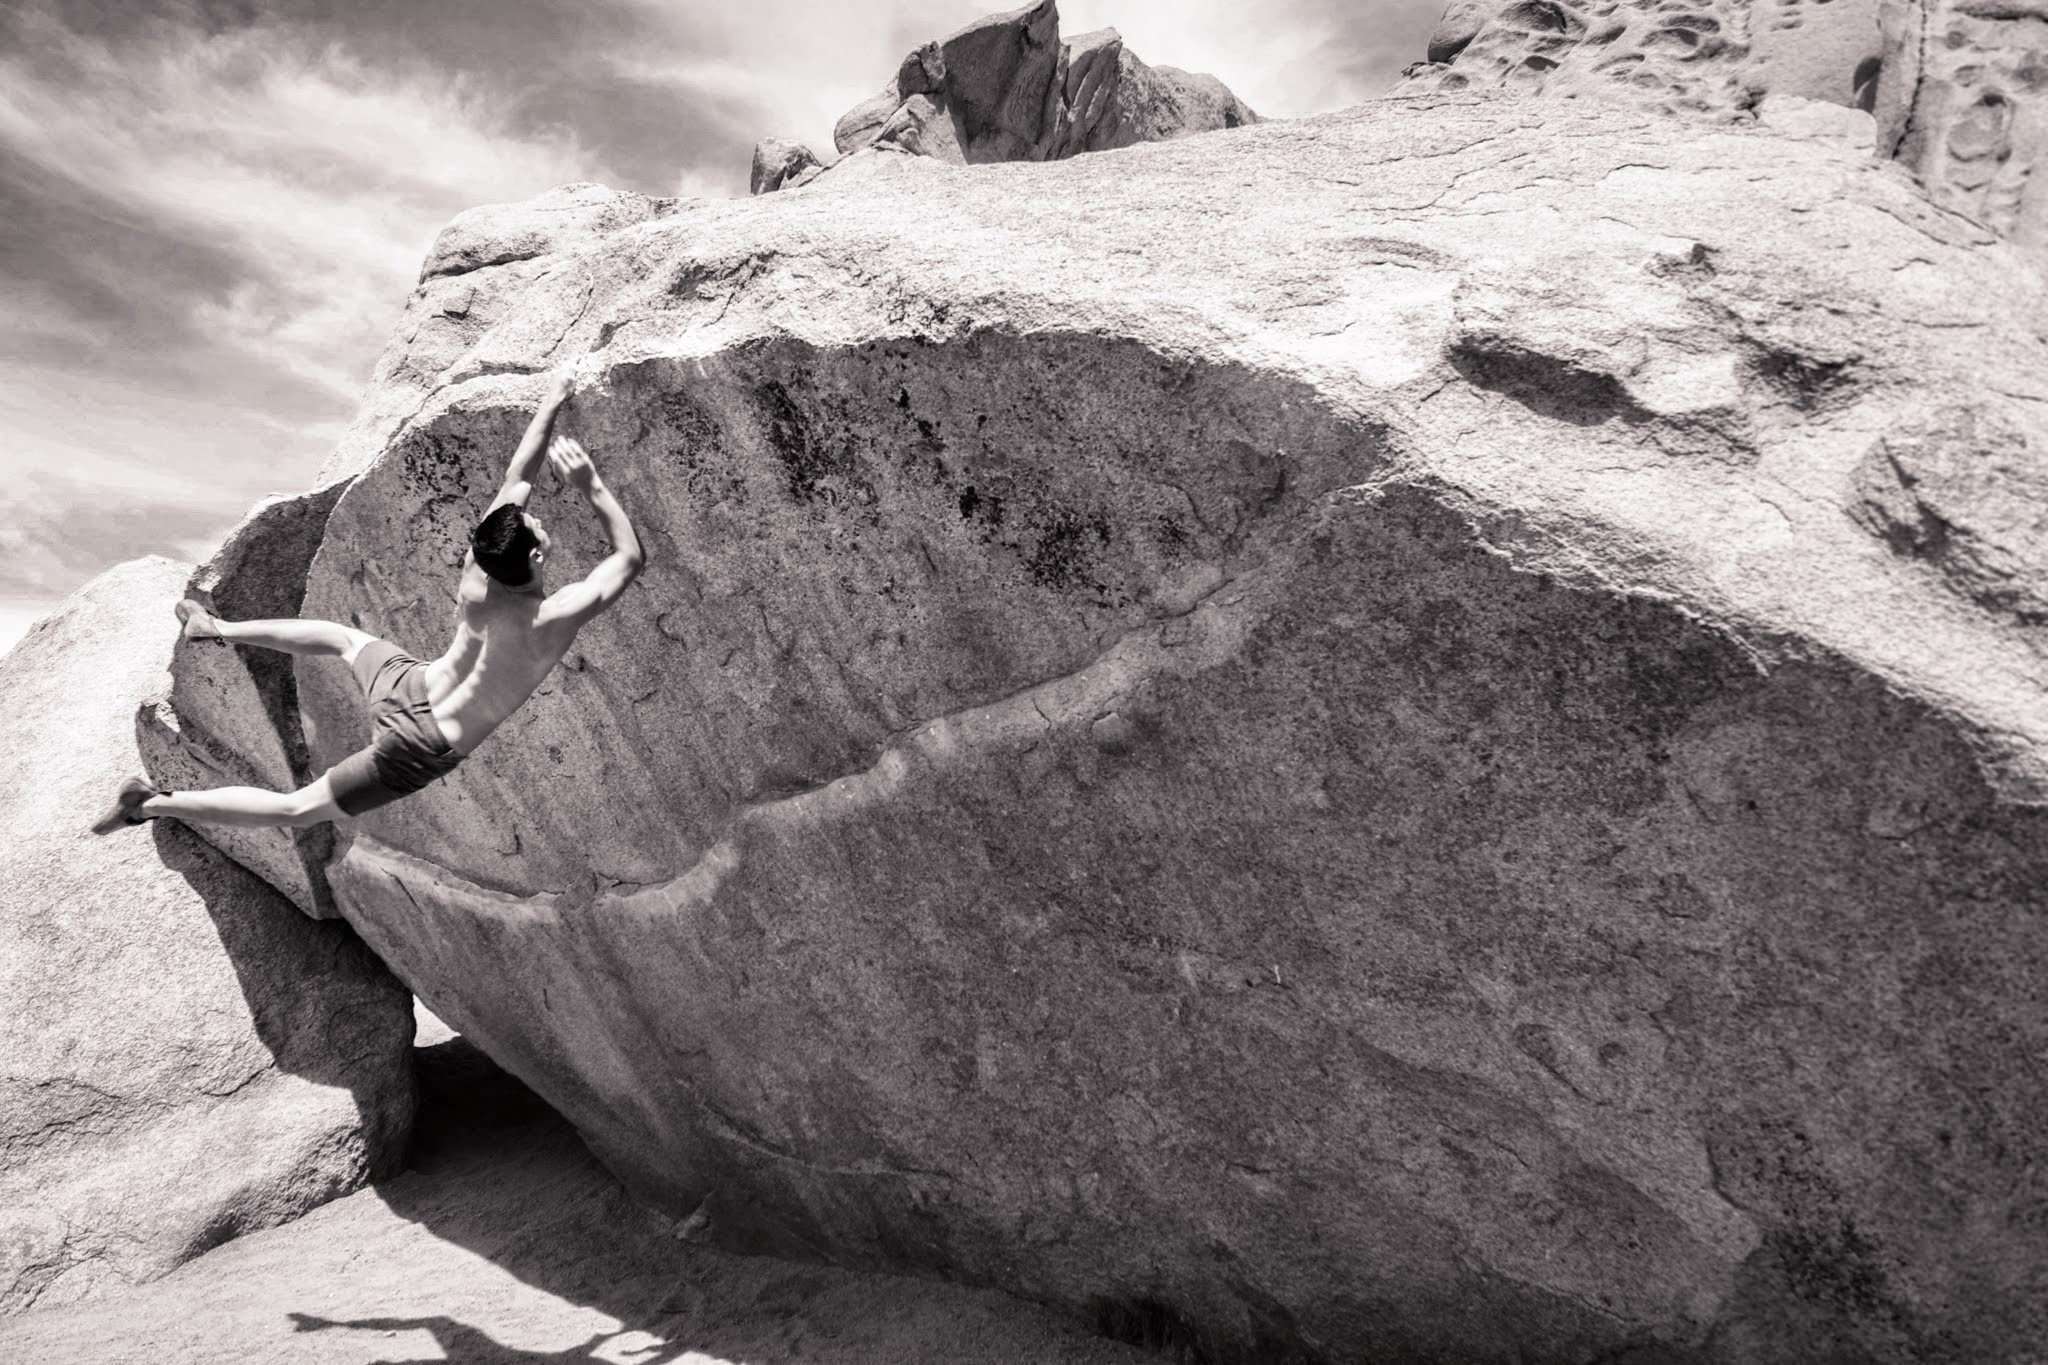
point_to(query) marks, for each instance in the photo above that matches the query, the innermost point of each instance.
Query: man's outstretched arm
(525, 466)
(578, 602)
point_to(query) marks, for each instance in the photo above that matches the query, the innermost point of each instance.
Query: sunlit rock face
(1959, 88)
(185, 1056)
(1401, 736)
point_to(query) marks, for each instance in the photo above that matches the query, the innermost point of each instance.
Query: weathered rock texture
(1005, 88)
(1712, 58)
(1964, 102)
(185, 1056)
(1410, 735)
(1959, 87)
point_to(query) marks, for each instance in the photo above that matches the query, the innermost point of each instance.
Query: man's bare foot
(197, 620)
(122, 813)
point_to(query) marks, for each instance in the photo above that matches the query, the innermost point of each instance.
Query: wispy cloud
(224, 227)
(215, 208)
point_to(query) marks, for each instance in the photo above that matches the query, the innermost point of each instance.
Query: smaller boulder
(780, 164)
(858, 126)
(922, 127)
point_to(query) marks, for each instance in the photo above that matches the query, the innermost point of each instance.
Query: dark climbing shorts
(407, 749)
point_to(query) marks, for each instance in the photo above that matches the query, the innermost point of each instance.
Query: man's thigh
(357, 639)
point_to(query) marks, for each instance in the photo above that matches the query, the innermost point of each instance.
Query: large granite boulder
(1005, 88)
(1411, 735)
(185, 1056)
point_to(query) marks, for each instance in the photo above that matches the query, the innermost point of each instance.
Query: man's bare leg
(293, 636)
(245, 806)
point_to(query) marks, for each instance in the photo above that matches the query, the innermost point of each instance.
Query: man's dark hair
(503, 544)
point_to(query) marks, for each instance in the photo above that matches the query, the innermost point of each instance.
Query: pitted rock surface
(186, 1057)
(1353, 738)
(1965, 104)
(1715, 59)
(1005, 88)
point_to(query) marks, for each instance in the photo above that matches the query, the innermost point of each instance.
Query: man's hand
(560, 386)
(517, 485)
(572, 463)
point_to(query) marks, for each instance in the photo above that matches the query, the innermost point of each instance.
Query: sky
(212, 211)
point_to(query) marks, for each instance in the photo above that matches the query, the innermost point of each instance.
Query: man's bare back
(507, 640)
(510, 632)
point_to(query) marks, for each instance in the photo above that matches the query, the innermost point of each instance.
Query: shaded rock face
(1415, 776)
(186, 1057)
(1965, 104)
(1005, 88)
(1712, 58)
(232, 716)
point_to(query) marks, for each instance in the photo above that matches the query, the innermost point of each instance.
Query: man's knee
(311, 805)
(352, 643)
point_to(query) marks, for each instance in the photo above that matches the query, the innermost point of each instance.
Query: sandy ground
(507, 1242)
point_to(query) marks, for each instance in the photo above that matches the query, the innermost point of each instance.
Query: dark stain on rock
(1835, 1265)
(1806, 382)
(1549, 386)
(1065, 555)
(1151, 1326)
(817, 471)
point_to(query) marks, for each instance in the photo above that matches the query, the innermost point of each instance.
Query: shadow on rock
(322, 1004)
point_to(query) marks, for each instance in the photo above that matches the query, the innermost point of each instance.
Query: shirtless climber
(426, 718)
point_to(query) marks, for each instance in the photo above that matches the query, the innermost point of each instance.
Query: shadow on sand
(495, 1171)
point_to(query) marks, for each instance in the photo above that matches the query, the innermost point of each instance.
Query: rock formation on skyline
(1006, 88)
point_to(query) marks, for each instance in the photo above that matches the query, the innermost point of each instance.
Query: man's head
(509, 546)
